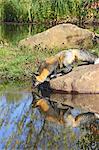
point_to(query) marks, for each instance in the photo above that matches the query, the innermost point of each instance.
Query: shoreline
(55, 22)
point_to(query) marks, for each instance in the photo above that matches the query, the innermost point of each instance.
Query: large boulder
(83, 79)
(61, 36)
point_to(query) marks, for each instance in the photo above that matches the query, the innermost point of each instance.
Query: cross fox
(63, 61)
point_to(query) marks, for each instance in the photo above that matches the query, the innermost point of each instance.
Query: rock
(88, 102)
(83, 79)
(60, 37)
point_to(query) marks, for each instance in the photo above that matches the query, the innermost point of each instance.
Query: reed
(44, 10)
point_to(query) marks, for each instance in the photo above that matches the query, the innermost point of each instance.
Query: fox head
(35, 80)
(42, 104)
(38, 79)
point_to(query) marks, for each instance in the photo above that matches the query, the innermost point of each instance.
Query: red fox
(62, 60)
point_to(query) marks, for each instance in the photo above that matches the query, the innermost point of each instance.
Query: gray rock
(83, 79)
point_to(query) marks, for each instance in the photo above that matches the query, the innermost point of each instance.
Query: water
(25, 126)
(13, 33)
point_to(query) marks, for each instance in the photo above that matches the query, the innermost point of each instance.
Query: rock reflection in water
(24, 124)
(85, 101)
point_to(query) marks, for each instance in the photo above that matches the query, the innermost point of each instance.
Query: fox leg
(53, 74)
(60, 72)
(83, 63)
(66, 69)
(56, 73)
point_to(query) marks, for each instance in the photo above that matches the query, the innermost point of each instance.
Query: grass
(18, 64)
(45, 10)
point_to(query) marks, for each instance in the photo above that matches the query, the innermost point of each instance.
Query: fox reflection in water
(62, 115)
(53, 112)
(83, 118)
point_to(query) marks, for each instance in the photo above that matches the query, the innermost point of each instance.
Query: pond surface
(25, 126)
(13, 33)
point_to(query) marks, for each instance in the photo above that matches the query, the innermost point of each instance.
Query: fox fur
(62, 60)
(83, 118)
